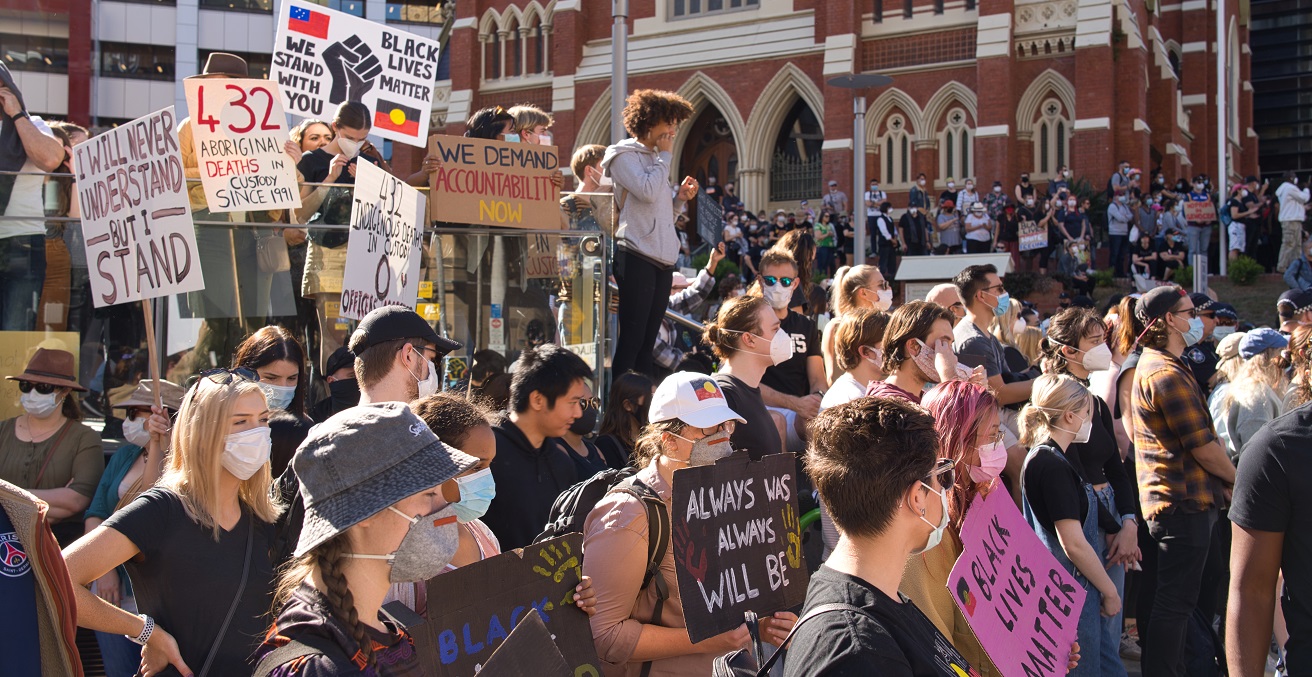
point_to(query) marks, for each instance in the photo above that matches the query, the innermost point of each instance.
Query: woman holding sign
(634, 631)
(1064, 509)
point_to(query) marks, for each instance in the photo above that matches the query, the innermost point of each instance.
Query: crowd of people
(260, 513)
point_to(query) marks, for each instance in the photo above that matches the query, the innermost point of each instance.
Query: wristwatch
(146, 630)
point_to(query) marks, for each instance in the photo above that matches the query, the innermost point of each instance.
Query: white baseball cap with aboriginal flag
(693, 398)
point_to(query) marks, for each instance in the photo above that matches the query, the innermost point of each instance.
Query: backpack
(744, 662)
(1223, 214)
(573, 505)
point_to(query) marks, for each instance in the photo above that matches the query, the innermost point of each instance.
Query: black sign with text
(737, 541)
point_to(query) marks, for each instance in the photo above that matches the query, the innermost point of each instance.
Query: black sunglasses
(771, 280)
(223, 376)
(946, 470)
(43, 388)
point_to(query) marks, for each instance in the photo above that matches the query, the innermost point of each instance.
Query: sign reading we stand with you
(384, 249)
(494, 183)
(322, 57)
(240, 134)
(737, 541)
(1022, 604)
(136, 219)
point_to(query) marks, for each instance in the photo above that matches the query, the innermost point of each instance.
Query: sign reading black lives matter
(322, 57)
(136, 219)
(383, 252)
(737, 541)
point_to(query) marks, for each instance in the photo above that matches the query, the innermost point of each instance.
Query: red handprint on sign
(686, 552)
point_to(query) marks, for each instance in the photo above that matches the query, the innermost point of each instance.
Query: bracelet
(146, 631)
(22, 114)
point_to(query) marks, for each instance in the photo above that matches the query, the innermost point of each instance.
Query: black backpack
(744, 662)
(571, 509)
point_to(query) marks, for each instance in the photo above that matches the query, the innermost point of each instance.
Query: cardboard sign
(737, 541)
(1032, 236)
(136, 218)
(494, 183)
(384, 252)
(474, 608)
(710, 219)
(323, 57)
(1023, 605)
(1200, 212)
(542, 261)
(529, 651)
(240, 132)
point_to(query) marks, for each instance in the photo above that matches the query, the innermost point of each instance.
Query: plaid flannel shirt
(1170, 420)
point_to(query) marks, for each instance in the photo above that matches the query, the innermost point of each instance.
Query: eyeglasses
(945, 470)
(223, 376)
(726, 427)
(586, 403)
(27, 387)
(1192, 313)
(996, 437)
(771, 280)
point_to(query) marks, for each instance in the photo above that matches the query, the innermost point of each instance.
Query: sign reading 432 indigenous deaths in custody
(383, 252)
(136, 219)
(322, 57)
(1021, 603)
(737, 541)
(494, 183)
(240, 134)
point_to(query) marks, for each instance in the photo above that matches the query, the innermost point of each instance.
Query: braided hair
(327, 559)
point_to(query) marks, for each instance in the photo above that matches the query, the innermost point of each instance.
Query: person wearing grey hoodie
(646, 243)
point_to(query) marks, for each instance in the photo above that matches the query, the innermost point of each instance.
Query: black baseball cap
(341, 358)
(1157, 303)
(1201, 301)
(390, 323)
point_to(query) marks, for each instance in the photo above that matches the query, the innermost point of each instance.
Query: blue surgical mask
(279, 397)
(1004, 302)
(1222, 332)
(1194, 333)
(476, 494)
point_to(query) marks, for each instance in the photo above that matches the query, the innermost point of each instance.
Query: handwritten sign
(737, 541)
(383, 253)
(542, 261)
(1200, 212)
(1032, 236)
(136, 218)
(239, 131)
(323, 57)
(494, 183)
(1023, 605)
(474, 608)
(529, 651)
(710, 219)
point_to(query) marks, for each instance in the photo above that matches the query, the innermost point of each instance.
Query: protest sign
(1199, 212)
(542, 261)
(323, 57)
(1033, 236)
(529, 651)
(474, 608)
(240, 131)
(737, 541)
(1021, 603)
(383, 253)
(494, 183)
(710, 219)
(136, 219)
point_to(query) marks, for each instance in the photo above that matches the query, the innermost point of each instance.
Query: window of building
(1051, 138)
(414, 12)
(515, 46)
(142, 62)
(896, 149)
(879, 11)
(796, 170)
(256, 64)
(685, 8)
(262, 6)
(954, 143)
(34, 53)
(352, 7)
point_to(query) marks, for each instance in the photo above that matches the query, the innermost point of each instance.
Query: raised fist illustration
(353, 67)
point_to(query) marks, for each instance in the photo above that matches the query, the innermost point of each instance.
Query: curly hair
(646, 108)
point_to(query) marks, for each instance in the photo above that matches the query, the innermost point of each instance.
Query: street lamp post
(619, 68)
(857, 82)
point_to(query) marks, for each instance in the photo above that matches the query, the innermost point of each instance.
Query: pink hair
(959, 408)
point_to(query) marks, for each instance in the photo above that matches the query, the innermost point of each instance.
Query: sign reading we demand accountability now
(323, 57)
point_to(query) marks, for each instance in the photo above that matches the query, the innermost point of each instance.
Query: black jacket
(528, 480)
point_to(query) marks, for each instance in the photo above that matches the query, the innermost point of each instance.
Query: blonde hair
(861, 328)
(1030, 343)
(848, 283)
(1259, 374)
(195, 461)
(1001, 327)
(651, 442)
(528, 116)
(1053, 396)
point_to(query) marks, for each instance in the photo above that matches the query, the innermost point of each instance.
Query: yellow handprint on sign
(561, 557)
(794, 531)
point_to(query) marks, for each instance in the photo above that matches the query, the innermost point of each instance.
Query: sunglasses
(42, 388)
(1191, 313)
(587, 403)
(132, 414)
(771, 280)
(224, 377)
(945, 470)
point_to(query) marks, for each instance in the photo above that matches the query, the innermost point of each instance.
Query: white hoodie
(643, 187)
(1292, 202)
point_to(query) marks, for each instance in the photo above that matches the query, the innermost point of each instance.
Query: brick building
(982, 88)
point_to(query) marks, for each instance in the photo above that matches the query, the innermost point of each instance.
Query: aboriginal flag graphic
(397, 118)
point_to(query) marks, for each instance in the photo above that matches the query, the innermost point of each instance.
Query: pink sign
(1021, 603)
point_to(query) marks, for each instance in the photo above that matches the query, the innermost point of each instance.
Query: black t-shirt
(1202, 360)
(336, 206)
(1236, 205)
(1053, 487)
(1273, 492)
(789, 377)
(20, 642)
(1143, 252)
(1099, 459)
(186, 580)
(1008, 228)
(893, 640)
(758, 436)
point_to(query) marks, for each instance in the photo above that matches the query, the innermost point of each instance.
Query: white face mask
(778, 296)
(1018, 326)
(878, 360)
(350, 147)
(884, 300)
(429, 385)
(951, 185)
(936, 536)
(244, 453)
(781, 347)
(135, 432)
(1081, 435)
(39, 405)
(1098, 358)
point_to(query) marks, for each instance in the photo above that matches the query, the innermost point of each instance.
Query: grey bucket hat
(355, 464)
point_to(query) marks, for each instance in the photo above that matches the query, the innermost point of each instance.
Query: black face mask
(584, 424)
(345, 393)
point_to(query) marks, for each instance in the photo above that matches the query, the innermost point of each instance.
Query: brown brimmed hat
(143, 397)
(52, 367)
(224, 65)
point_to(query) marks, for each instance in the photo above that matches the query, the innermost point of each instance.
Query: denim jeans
(1120, 246)
(121, 656)
(1198, 238)
(1183, 540)
(22, 274)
